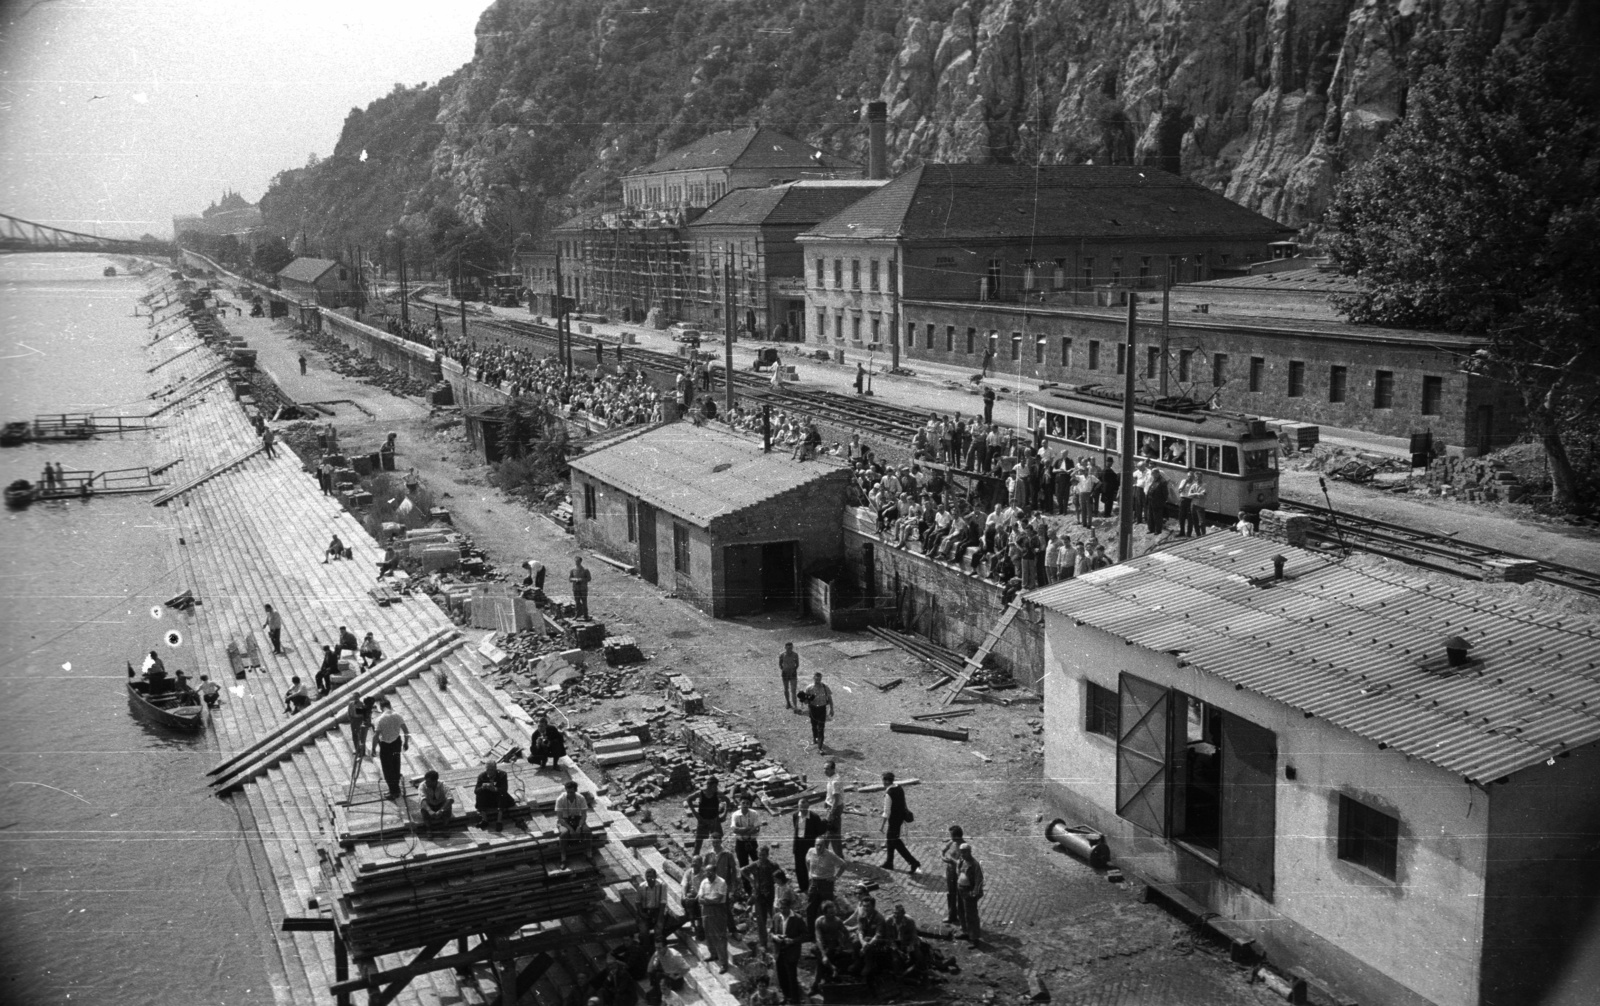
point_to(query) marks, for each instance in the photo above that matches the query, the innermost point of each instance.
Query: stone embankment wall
(390, 351)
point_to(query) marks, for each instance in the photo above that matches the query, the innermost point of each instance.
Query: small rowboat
(177, 706)
(15, 433)
(20, 493)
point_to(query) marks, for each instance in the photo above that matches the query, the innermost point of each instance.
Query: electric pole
(1129, 443)
(1166, 341)
(727, 341)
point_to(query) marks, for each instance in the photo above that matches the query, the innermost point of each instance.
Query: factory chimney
(877, 129)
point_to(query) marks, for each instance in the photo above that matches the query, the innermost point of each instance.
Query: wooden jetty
(329, 856)
(57, 426)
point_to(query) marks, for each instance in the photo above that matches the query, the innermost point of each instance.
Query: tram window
(1149, 445)
(1175, 450)
(1055, 424)
(1111, 438)
(1230, 460)
(1207, 456)
(1095, 433)
(1257, 462)
(1077, 429)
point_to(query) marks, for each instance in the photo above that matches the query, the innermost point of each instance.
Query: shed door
(1143, 746)
(647, 542)
(1249, 803)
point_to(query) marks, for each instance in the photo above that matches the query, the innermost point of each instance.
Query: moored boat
(15, 433)
(20, 493)
(176, 705)
(109, 270)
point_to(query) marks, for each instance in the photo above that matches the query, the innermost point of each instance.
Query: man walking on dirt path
(988, 403)
(302, 364)
(579, 578)
(789, 668)
(895, 816)
(820, 701)
(274, 627)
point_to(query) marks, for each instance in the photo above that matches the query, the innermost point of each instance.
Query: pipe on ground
(1089, 846)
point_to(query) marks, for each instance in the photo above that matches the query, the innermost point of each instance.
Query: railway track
(1429, 549)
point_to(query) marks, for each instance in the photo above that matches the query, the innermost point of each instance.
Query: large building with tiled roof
(323, 280)
(1384, 779)
(710, 515)
(753, 231)
(697, 175)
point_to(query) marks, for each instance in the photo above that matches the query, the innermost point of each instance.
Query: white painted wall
(1423, 930)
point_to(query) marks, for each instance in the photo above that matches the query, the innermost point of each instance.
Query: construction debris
(949, 734)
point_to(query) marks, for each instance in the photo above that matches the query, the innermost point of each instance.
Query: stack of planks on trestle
(387, 903)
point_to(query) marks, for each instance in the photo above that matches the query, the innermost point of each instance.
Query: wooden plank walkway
(255, 534)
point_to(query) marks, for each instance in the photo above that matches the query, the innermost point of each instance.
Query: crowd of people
(622, 396)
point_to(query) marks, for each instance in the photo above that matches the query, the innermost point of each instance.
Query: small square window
(1368, 837)
(1100, 710)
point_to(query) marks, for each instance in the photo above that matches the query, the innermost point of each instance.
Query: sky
(117, 115)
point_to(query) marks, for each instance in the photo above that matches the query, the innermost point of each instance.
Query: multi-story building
(633, 258)
(1053, 234)
(753, 231)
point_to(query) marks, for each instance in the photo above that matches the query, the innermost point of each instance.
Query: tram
(1235, 454)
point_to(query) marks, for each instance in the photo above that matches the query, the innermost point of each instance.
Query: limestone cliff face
(1266, 100)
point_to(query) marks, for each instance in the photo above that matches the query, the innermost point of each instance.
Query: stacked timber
(384, 904)
(942, 660)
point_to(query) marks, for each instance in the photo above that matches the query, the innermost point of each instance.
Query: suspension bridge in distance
(18, 235)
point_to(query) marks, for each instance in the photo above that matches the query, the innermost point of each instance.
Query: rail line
(1421, 548)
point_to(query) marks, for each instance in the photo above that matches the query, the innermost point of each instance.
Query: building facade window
(822, 324)
(1100, 712)
(872, 274)
(1122, 358)
(1116, 270)
(1088, 273)
(949, 337)
(633, 519)
(972, 340)
(1144, 268)
(911, 335)
(820, 272)
(855, 328)
(1185, 359)
(588, 501)
(1152, 362)
(1094, 354)
(877, 327)
(680, 549)
(1016, 346)
(838, 274)
(1258, 371)
(1219, 369)
(1066, 351)
(838, 328)
(1038, 348)
(1383, 389)
(1297, 378)
(855, 274)
(991, 280)
(1368, 837)
(1432, 395)
(1338, 377)
(1058, 276)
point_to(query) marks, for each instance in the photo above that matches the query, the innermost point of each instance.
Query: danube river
(124, 881)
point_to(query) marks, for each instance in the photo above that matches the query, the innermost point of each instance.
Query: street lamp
(398, 236)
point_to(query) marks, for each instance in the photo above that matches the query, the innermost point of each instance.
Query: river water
(122, 880)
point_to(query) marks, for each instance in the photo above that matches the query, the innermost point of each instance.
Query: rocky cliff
(1266, 100)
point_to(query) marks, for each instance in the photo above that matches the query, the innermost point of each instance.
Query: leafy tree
(1480, 213)
(272, 254)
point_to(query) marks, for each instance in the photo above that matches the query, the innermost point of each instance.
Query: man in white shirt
(714, 910)
(572, 817)
(746, 828)
(819, 699)
(389, 738)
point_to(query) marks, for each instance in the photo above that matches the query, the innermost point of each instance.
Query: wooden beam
(307, 924)
(387, 994)
(523, 947)
(947, 714)
(923, 728)
(524, 981)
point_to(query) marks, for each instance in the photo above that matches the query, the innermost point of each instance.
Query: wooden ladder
(237, 459)
(975, 662)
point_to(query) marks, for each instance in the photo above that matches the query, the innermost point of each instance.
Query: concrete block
(575, 657)
(437, 558)
(492, 653)
(615, 744)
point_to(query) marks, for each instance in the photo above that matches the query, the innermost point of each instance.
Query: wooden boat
(13, 434)
(179, 707)
(109, 270)
(20, 493)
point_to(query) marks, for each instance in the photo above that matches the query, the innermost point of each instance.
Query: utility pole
(727, 341)
(405, 310)
(894, 315)
(560, 304)
(1166, 341)
(1129, 444)
(461, 296)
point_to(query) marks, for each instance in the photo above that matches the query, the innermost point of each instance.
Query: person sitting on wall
(295, 699)
(438, 805)
(547, 744)
(335, 550)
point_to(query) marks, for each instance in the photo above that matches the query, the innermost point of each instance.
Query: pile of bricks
(683, 696)
(621, 650)
(1289, 528)
(726, 749)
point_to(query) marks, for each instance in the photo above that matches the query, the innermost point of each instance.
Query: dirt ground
(1089, 939)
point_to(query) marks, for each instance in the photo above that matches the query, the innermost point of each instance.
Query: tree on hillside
(271, 255)
(1480, 213)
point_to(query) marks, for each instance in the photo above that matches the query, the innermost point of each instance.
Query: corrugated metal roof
(700, 473)
(1359, 647)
